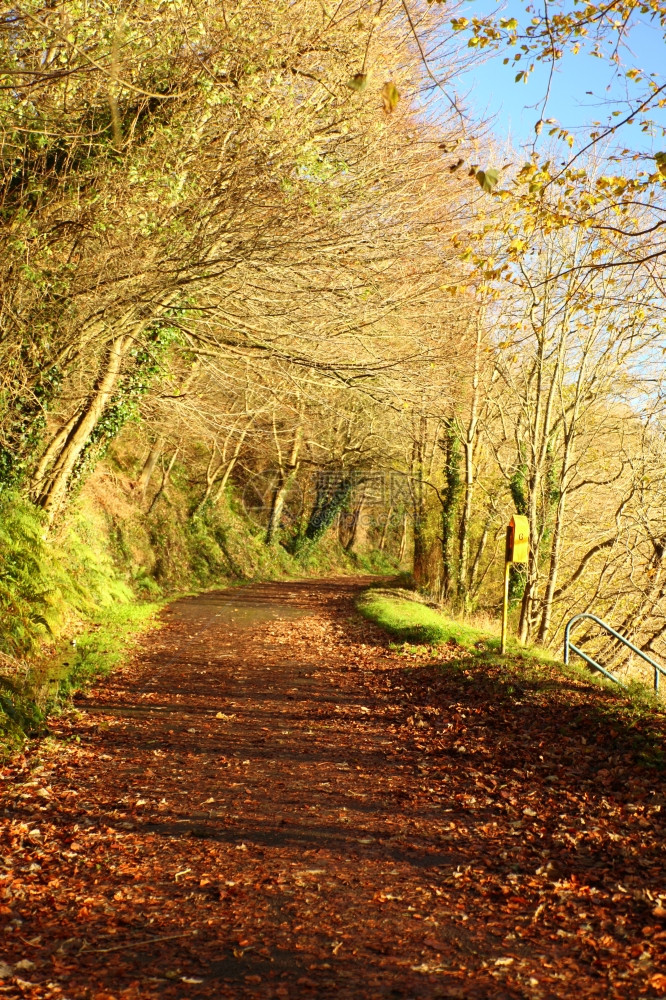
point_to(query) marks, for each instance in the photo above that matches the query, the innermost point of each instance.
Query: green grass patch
(409, 619)
(46, 685)
(104, 647)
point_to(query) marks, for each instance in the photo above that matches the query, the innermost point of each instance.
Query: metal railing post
(566, 642)
(568, 646)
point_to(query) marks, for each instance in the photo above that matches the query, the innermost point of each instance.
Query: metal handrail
(568, 645)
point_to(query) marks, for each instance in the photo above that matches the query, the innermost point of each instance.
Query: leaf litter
(318, 814)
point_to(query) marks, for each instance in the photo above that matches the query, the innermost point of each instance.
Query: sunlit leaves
(488, 179)
(517, 245)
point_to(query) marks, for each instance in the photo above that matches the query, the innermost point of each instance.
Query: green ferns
(23, 582)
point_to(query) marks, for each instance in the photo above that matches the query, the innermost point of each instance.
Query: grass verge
(47, 684)
(525, 689)
(409, 619)
(105, 646)
(422, 632)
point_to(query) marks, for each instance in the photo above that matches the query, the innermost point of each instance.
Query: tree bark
(551, 584)
(402, 551)
(331, 500)
(469, 443)
(55, 487)
(51, 453)
(357, 534)
(143, 481)
(450, 506)
(385, 528)
(285, 476)
(474, 570)
(165, 479)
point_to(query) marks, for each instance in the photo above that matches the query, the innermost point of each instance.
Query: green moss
(24, 584)
(49, 593)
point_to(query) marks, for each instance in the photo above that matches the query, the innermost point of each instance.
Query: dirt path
(269, 803)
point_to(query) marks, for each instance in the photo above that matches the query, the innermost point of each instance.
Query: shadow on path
(270, 802)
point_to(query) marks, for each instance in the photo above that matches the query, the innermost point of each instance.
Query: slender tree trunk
(529, 594)
(275, 514)
(384, 535)
(143, 481)
(465, 519)
(402, 551)
(421, 561)
(225, 478)
(469, 448)
(421, 553)
(55, 488)
(285, 476)
(166, 473)
(51, 453)
(450, 507)
(554, 568)
(232, 462)
(212, 471)
(474, 569)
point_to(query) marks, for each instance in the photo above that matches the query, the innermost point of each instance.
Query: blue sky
(492, 91)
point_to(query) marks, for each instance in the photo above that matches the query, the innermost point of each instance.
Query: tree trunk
(450, 507)
(331, 500)
(421, 554)
(402, 551)
(51, 453)
(469, 441)
(55, 488)
(225, 478)
(211, 475)
(285, 476)
(551, 585)
(385, 528)
(165, 479)
(143, 481)
(530, 592)
(275, 515)
(358, 534)
(465, 520)
(474, 570)
(232, 461)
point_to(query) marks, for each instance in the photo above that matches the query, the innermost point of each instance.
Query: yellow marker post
(517, 551)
